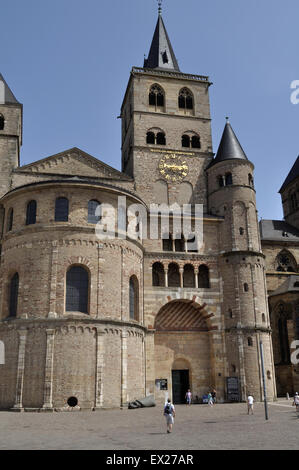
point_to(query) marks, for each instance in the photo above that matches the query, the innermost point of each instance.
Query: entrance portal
(180, 385)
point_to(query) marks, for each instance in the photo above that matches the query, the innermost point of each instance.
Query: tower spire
(230, 147)
(161, 55)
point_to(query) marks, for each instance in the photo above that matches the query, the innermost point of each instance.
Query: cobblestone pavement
(224, 426)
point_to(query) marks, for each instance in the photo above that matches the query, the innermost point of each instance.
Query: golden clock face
(173, 168)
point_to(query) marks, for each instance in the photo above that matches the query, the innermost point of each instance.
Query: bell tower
(166, 131)
(10, 135)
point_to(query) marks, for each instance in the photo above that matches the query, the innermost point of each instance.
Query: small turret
(10, 134)
(231, 195)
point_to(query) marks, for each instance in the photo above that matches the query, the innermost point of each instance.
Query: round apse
(72, 402)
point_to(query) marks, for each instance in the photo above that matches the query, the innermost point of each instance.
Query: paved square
(197, 427)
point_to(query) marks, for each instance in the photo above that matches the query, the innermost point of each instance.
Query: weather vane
(160, 7)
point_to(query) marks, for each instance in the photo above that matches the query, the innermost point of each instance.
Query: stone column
(166, 277)
(196, 277)
(53, 281)
(150, 362)
(181, 277)
(124, 367)
(100, 354)
(18, 406)
(100, 281)
(48, 384)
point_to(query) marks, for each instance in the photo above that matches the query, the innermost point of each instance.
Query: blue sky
(68, 62)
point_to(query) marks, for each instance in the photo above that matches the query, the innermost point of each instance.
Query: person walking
(296, 401)
(188, 397)
(169, 413)
(250, 401)
(210, 399)
(213, 393)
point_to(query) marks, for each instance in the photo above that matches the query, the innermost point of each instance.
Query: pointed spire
(293, 174)
(161, 54)
(229, 148)
(6, 95)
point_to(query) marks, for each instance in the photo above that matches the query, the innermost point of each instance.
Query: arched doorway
(183, 349)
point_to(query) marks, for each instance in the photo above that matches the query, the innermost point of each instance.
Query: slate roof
(289, 285)
(294, 172)
(278, 230)
(229, 147)
(161, 55)
(8, 97)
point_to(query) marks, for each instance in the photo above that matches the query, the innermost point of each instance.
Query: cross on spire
(159, 7)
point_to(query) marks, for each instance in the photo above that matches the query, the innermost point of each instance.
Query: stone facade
(158, 318)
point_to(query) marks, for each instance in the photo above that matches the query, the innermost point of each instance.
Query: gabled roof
(229, 147)
(278, 230)
(73, 162)
(291, 284)
(6, 95)
(291, 176)
(161, 54)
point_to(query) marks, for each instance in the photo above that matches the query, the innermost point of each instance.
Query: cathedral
(91, 323)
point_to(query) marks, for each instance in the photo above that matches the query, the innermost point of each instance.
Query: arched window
(285, 262)
(61, 209)
(31, 213)
(150, 138)
(263, 318)
(188, 276)
(161, 139)
(10, 220)
(192, 244)
(173, 275)
(185, 99)
(195, 142)
(158, 275)
(250, 180)
(245, 287)
(2, 122)
(179, 243)
(134, 298)
(228, 179)
(94, 208)
(167, 242)
(77, 287)
(156, 96)
(13, 295)
(185, 140)
(203, 277)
